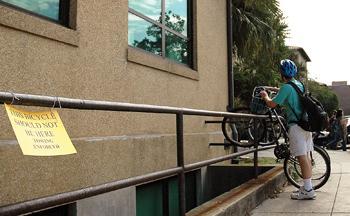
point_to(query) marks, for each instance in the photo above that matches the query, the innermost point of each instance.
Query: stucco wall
(91, 62)
(121, 203)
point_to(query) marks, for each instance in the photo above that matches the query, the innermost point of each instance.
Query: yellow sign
(40, 133)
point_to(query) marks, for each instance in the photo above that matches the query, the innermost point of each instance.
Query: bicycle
(320, 160)
(240, 131)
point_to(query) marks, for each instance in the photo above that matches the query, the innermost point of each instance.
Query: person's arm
(269, 88)
(267, 99)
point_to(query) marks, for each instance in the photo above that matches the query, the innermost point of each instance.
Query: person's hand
(263, 94)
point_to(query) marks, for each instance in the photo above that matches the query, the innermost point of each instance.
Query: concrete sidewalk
(332, 199)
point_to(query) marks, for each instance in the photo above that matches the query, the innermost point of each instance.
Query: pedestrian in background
(343, 127)
(335, 130)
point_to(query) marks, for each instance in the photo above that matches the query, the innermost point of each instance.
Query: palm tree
(259, 34)
(254, 26)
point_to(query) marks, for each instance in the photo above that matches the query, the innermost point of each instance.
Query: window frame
(164, 28)
(63, 12)
(25, 22)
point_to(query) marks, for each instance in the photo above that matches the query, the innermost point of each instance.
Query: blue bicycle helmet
(288, 68)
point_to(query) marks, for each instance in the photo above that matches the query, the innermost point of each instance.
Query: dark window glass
(162, 197)
(176, 48)
(55, 10)
(146, 31)
(176, 15)
(65, 210)
(144, 35)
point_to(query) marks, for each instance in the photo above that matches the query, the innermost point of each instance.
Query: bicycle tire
(229, 124)
(267, 134)
(321, 169)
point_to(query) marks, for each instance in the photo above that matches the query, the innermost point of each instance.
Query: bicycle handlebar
(270, 90)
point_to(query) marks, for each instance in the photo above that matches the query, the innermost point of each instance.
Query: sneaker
(303, 194)
(297, 191)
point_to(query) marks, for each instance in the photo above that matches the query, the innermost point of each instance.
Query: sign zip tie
(13, 98)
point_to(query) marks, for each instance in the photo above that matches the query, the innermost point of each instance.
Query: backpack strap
(300, 93)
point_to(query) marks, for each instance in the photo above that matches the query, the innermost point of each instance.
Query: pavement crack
(336, 194)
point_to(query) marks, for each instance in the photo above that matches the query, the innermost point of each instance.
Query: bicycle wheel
(235, 129)
(268, 132)
(321, 169)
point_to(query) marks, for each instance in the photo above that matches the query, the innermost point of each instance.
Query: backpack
(314, 118)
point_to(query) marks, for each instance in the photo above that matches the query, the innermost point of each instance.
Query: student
(342, 127)
(301, 143)
(335, 130)
(332, 120)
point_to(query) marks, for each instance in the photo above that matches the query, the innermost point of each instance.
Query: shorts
(300, 141)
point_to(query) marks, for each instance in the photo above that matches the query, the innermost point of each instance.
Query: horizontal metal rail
(70, 103)
(197, 165)
(68, 197)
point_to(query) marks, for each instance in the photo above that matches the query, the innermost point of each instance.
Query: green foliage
(253, 26)
(328, 99)
(259, 32)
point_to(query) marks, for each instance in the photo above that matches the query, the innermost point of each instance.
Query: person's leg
(301, 145)
(333, 139)
(306, 191)
(344, 141)
(332, 144)
(343, 144)
(305, 166)
(306, 170)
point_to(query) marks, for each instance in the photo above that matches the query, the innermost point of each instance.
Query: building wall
(299, 59)
(121, 202)
(93, 61)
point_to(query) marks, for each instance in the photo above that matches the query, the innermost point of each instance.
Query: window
(161, 27)
(162, 197)
(53, 10)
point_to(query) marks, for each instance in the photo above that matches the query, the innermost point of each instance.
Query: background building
(342, 90)
(301, 59)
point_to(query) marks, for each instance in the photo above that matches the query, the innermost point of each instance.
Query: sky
(322, 28)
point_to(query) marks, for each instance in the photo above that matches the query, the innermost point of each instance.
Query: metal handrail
(69, 103)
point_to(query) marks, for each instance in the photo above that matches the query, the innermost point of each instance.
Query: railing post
(180, 162)
(235, 148)
(256, 145)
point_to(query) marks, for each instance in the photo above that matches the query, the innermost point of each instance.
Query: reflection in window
(146, 31)
(151, 9)
(176, 15)
(144, 35)
(176, 48)
(53, 10)
(47, 8)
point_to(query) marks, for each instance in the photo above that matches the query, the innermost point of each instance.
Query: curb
(244, 198)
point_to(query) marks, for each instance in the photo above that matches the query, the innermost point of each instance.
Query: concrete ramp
(243, 199)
